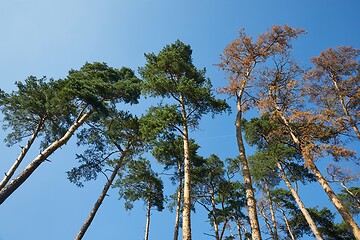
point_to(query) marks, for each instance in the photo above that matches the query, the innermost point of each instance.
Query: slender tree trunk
(344, 108)
(31, 167)
(21, 156)
(262, 211)
(215, 223)
(99, 201)
(272, 212)
(324, 184)
(287, 223)
(238, 226)
(226, 221)
(350, 193)
(147, 227)
(250, 196)
(186, 227)
(302, 207)
(178, 209)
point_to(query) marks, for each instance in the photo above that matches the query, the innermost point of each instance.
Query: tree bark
(98, 203)
(301, 205)
(250, 196)
(147, 227)
(186, 227)
(31, 167)
(21, 156)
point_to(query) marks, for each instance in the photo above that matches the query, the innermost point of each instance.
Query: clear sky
(48, 38)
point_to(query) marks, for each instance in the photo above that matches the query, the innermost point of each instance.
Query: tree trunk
(302, 207)
(147, 227)
(324, 184)
(21, 156)
(178, 209)
(98, 203)
(31, 167)
(250, 196)
(238, 226)
(261, 207)
(186, 227)
(272, 212)
(215, 223)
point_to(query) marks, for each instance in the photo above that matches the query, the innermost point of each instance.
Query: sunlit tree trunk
(186, 223)
(302, 207)
(215, 223)
(21, 156)
(250, 196)
(7, 190)
(147, 227)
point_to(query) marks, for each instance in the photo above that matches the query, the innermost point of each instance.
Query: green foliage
(272, 147)
(169, 151)
(222, 198)
(160, 120)
(324, 220)
(32, 105)
(351, 202)
(115, 135)
(56, 104)
(140, 182)
(171, 74)
(284, 197)
(100, 86)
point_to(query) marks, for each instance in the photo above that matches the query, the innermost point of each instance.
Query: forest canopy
(300, 126)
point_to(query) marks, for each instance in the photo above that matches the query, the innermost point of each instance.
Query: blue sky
(48, 38)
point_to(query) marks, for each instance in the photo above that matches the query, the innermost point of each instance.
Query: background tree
(219, 196)
(94, 88)
(239, 61)
(169, 151)
(140, 182)
(111, 142)
(334, 86)
(172, 75)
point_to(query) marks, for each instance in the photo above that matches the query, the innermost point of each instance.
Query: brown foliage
(333, 84)
(242, 55)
